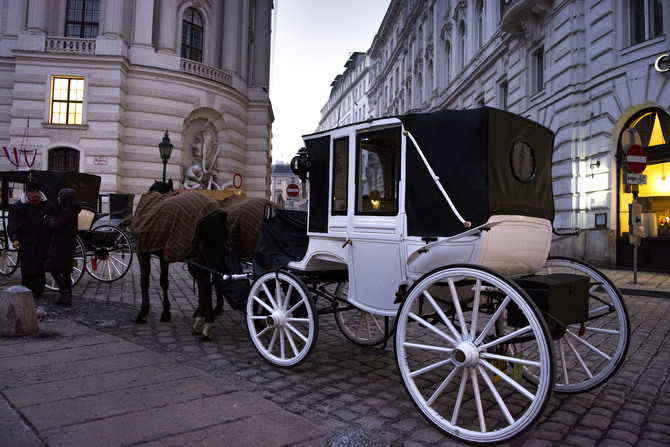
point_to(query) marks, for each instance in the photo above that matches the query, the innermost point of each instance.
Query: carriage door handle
(347, 242)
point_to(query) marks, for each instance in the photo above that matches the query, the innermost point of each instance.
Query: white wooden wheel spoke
(478, 400)
(509, 359)
(506, 378)
(268, 294)
(295, 331)
(564, 366)
(428, 347)
(475, 309)
(457, 307)
(496, 395)
(588, 345)
(444, 318)
(506, 338)
(498, 313)
(264, 304)
(432, 328)
(289, 337)
(442, 386)
(579, 358)
(459, 398)
(429, 368)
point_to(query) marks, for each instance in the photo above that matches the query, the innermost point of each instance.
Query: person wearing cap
(30, 235)
(63, 245)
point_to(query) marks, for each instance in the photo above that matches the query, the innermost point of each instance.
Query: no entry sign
(292, 190)
(636, 159)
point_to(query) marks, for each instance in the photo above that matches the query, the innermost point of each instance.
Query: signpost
(636, 158)
(292, 190)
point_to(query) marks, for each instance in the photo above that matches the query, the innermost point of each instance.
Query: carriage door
(375, 230)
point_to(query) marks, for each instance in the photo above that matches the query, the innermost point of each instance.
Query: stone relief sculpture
(204, 172)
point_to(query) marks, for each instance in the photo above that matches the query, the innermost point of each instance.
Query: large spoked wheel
(281, 318)
(588, 354)
(9, 259)
(109, 253)
(78, 268)
(359, 326)
(464, 335)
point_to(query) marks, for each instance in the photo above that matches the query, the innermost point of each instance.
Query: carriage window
(377, 172)
(340, 176)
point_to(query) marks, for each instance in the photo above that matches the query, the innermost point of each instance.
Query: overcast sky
(312, 40)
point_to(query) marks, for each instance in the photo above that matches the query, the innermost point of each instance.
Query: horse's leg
(218, 289)
(145, 270)
(204, 322)
(166, 316)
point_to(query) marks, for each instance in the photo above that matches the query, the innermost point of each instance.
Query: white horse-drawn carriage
(436, 228)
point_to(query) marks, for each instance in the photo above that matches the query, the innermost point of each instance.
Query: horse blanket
(169, 222)
(245, 221)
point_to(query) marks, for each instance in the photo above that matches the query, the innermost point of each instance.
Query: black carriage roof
(86, 186)
(470, 152)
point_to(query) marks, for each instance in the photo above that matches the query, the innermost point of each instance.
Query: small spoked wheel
(359, 326)
(589, 353)
(464, 335)
(77, 270)
(9, 259)
(281, 318)
(110, 253)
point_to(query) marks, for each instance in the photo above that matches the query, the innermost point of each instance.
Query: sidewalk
(121, 385)
(79, 387)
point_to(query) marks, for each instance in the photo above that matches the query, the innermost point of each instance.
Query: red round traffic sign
(292, 190)
(636, 159)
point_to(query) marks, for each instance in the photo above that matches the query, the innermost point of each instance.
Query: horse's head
(162, 187)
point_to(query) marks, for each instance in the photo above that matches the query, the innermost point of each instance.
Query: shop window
(650, 129)
(64, 159)
(192, 35)
(82, 18)
(378, 158)
(67, 100)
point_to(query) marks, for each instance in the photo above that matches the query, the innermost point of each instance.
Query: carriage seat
(86, 218)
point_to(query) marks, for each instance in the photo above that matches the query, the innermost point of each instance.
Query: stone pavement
(94, 377)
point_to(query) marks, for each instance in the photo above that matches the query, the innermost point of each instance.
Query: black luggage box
(563, 296)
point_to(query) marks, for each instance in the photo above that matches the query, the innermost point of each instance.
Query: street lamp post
(165, 149)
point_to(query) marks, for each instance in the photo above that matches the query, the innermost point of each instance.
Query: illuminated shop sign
(662, 64)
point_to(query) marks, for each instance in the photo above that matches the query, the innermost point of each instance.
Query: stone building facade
(93, 85)
(596, 73)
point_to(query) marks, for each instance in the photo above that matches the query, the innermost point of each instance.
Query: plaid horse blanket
(169, 222)
(245, 221)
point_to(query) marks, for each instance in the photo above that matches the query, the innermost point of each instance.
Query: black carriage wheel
(109, 253)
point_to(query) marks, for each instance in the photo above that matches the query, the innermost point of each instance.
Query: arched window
(192, 35)
(82, 18)
(461, 45)
(63, 159)
(430, 86)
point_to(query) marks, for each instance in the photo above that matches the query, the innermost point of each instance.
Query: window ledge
(65, 126)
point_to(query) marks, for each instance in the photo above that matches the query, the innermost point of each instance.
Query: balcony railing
(68, 45)
(205, 71)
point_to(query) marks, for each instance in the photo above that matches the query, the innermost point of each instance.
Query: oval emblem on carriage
(522, 161)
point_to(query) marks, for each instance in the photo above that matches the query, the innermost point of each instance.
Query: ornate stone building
(93, 85)
(596, 73)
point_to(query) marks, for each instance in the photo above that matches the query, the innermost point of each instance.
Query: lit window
(67, 100)
(191, 35)
(82, 19)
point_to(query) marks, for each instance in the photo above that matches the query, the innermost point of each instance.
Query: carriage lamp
(301, 165)
(165, 149)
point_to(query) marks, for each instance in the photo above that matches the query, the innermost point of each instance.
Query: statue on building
(204, 172)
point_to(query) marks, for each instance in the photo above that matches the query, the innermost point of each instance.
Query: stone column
(167, 26)
(144, 18)
(112, 15)
(261, 56)
(232, 21)
(37, 19)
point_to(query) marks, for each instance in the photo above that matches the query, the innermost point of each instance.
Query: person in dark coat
(30, 235)
(60, 262)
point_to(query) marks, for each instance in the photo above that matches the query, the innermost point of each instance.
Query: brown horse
(188, 227)
(233, 221)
